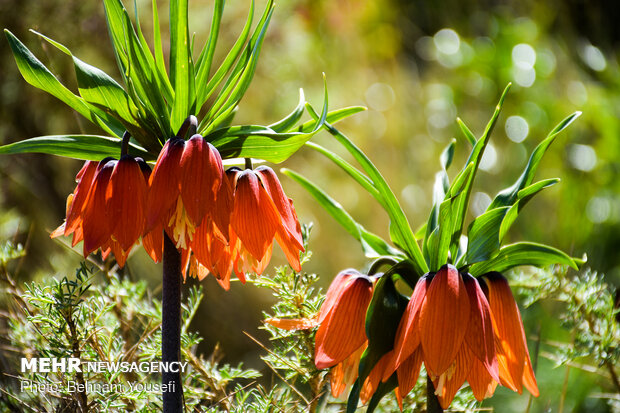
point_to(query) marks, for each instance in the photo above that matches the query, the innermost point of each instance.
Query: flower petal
(80, 195)
(409, 371)
(254, 217)
(444, 318)
(449, 382)
(408, 336)
(374, 378)
(126, 202)
(283, 204)
(342, 331)
(96, 222)
(479, 336)
(345, 373)
(511, 345)
(200, 177)
(164, 183)
(480, 380)
(153, 243)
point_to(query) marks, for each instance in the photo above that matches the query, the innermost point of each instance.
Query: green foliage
(114, 320)
(478, 252)
(589, 313)
(151, 105)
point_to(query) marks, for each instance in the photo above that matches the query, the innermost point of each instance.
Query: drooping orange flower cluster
(462, 328)
(221, 221)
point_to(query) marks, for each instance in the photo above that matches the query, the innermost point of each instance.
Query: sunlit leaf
(181, 65)
(35, 73)
(373, 245)
(288, 123)
(507, 196)
(400, 230)
(205, 60)
(523, 253)
(204, 91)
(86, 147)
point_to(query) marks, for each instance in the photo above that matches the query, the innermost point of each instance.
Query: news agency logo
(51, 365)
(72, 365)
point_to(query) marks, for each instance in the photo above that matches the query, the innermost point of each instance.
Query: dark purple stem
(432, 403)
(171, 326)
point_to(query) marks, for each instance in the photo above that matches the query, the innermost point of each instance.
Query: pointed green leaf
(289, 122)
(181, 65)
(157, 46)
(149, 89)
(447, 155)
(353, 172)
(507, 196)
(332, 117)
(474, 157)
(86, 147)
(35, 73)
(469, 136)
(205, 91)
(523, 197)
(484, 235)
(374, 246)
(205, 60)
(523, 253)
(400, 230)
(239, 81)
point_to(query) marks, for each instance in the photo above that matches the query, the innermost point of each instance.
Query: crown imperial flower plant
(461, 321)
(188, 212)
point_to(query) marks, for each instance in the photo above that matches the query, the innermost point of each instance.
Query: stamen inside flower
(182, 227)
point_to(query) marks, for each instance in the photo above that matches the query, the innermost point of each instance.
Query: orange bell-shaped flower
(341, 337)
(107, 207)
(261, 212)
(183, 188)
(447, 324)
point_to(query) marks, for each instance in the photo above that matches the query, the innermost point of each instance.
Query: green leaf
(205, 91)
(383, 388)
(241, 77)
(181, 65)
(523, 197)
(484, 235)
(353, 172)
(333, 117)
(205, 60)
(460, 208)
(157, 47)
(400, 230)
(148, 88)
(98, 88)
(523, 253)
(373, 245)
(35, 73)
(289, 122)
(487, 231)
(469, 136)
(382, 319)
(447, 155)
(86, 147)
(261, 142)
(507, 196)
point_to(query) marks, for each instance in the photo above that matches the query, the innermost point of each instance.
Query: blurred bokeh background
(416, 66)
